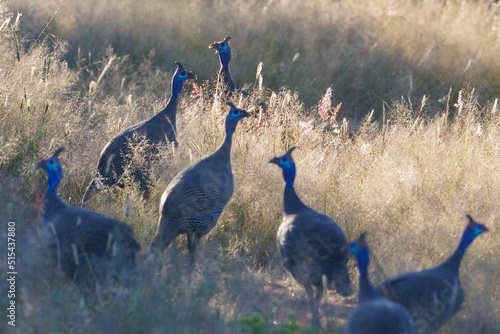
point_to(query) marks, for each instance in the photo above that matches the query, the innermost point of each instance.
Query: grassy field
(367, 52)
(408, 173)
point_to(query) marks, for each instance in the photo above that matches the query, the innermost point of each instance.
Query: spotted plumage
(374, 313)
(116, 155)
(87, 247)
(434, 295)
(196, 197)
(311, 244)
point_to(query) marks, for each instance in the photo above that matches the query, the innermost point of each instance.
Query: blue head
(472, 230)
(179, 78)
(360, 249)
(53, 168)
(233, 117)
(223, 49)
(287, 165)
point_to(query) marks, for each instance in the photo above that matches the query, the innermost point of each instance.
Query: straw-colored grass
(409, 180)
(368, 52)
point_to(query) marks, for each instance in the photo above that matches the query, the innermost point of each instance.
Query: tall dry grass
(367, 52)
(409, 180)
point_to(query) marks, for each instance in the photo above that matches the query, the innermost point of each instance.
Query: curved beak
(191, 75)
(275, 160)
(214, 46)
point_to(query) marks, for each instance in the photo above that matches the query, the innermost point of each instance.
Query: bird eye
(183, 74)
(284, 159)
(223, 44)
(52, 164)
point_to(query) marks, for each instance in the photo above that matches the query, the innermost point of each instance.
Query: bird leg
(144, 180)
(314, 304)
(164, 235)
(193, 239)
(319, 293)
(90, 191)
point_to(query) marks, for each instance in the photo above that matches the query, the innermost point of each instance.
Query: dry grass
(409, 180)
(368, 52)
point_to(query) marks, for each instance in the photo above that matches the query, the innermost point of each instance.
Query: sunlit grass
(408, 180)
(368, 52)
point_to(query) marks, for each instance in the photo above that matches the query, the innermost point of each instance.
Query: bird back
(80, 238)
(379, 316)
(202, 188)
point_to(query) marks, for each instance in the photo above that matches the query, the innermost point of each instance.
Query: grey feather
(311, 244)
(87, 246)
(196, 197)
(434, 295)
(374, 313)
(116, 155)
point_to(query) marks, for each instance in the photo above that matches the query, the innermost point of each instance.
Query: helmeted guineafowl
(224, 50)
(87, 246)
(195, 198)
(374, 313)
(434, 295)
(311, 244)
(115, 157)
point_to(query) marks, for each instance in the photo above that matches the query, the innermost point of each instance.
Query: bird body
(181, 199)
(223, 49)
(379, 316)
(434, 295)
(374, 313)
(299, 237)
(196, 197)
(311, 244)
(116, 155)
(86, 245)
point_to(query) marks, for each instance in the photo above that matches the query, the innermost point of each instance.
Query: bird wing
(312, 242)
(113, 152)
(197, 190)
(421, 290)
(94, 233)
(324, 235)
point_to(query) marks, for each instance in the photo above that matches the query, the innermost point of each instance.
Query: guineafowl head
(223, 49)
(360, 250)
(53, 168)
(180, 77)
(287, 165)
(472, 230)
(233, 117)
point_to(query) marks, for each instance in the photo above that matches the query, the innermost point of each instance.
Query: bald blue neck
(225, 58)
(366, 290)
(453, 262)
(289, 176)
(53, 179)
(225, 148)
(170, 110)
(177, 85)
(291, 201)
(467, 239)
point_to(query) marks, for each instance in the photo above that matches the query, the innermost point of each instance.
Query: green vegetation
(407, 176)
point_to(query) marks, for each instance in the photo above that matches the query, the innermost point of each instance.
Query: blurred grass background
(367, 52)
(408, 172)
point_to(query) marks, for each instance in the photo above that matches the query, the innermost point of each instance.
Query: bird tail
(91, 189)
